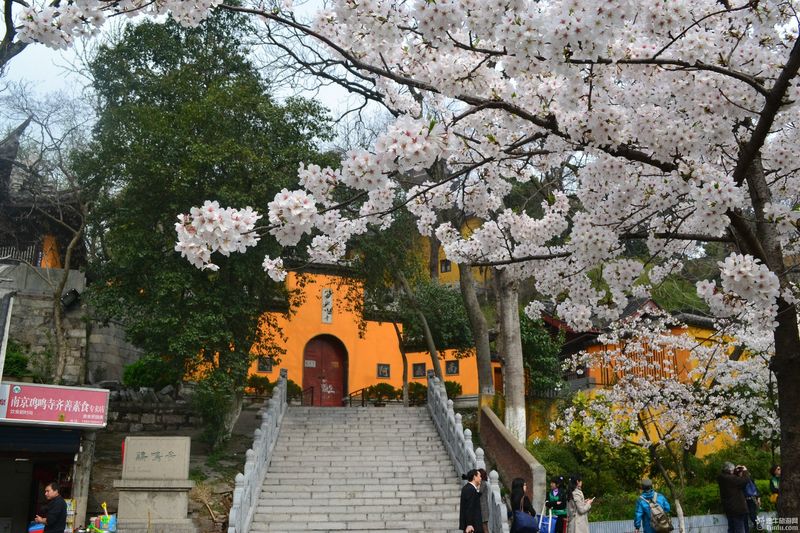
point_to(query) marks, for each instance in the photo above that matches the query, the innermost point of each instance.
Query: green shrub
(757, 461)
(556, 458)
(150, 371)
(763, 490)
(699, 500)
(382, 392)
(612, 506)
(453, 389)
(259, 385)
(213, 400)
(16, 363)
(702, 500)
(417, 393)
(293, 391)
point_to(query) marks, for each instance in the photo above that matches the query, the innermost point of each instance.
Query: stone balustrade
(248, 484)
(458, 443)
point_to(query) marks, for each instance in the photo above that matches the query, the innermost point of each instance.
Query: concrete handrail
(248, 484)
(511, 457)
(458, 443)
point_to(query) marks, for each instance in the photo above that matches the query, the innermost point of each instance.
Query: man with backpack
(652, 511)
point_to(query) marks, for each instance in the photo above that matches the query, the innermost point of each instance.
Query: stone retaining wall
(132, 411)
(32, 326)
(96, 352)
(108, 353)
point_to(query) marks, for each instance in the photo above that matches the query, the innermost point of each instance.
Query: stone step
(349, 501)
(358, 469)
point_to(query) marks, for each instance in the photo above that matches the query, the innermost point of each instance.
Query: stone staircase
(359, 469)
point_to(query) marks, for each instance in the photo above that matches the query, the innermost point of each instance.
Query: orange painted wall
(683, 365)
(50, 255)
(377, 346)
(677, 360)
(451, 277)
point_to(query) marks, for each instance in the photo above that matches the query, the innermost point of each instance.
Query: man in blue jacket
(641, 518)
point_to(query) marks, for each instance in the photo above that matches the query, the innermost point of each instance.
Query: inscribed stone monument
(154, 489)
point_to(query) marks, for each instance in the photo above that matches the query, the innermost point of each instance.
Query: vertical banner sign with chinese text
(53, 405)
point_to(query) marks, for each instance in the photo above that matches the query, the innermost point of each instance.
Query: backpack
(659, 520)
(750, 490)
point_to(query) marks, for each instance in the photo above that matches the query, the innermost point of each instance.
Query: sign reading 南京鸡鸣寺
(55, 405)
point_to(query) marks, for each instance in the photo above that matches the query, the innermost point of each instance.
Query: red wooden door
(323, 369)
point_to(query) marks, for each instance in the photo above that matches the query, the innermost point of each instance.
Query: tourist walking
(469, 520)
(641, 516)
(484, 499)
(521, 508)
(731, 494)
(578, 506)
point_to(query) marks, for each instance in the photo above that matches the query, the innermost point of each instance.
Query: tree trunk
(62, 350)
(785, 364)
(437, 366)
(679, 513)
(508, 309)
(401, 345)
(82, 475)
(59, 338)
(231, 417)
(786, 367)
(433, 258)
(480, 331)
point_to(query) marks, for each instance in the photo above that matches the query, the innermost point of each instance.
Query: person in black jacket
(519, 500)
(731, 493)
(55, 519)
(469, 519)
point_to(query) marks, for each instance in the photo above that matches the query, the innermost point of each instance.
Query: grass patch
(197, 475)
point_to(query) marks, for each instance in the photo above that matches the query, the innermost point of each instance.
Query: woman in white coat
(577, 506)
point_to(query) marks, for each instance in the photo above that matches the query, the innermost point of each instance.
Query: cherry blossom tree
(685, 115)
(668, 391)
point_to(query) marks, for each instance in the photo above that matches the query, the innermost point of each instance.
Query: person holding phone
(578, 506)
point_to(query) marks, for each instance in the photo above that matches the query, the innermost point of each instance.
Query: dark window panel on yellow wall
(451, 368)
(265, 364)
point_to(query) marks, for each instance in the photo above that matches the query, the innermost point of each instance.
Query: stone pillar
(154, 489)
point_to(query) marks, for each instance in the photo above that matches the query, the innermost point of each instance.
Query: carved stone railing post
(459, 446)
(248, 484)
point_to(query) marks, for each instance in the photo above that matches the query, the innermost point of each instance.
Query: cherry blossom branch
(697, 65)
(773, 102)
(548, 123)
(728, 9)
(9, 48)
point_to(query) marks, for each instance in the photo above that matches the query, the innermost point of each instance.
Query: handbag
(523, 522)
(547, 524)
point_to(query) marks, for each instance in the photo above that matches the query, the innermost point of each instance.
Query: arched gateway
(325, 369)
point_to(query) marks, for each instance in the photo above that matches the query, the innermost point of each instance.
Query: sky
(46, 71)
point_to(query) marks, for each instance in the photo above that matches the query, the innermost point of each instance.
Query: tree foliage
(183, 116)
(540, 355)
